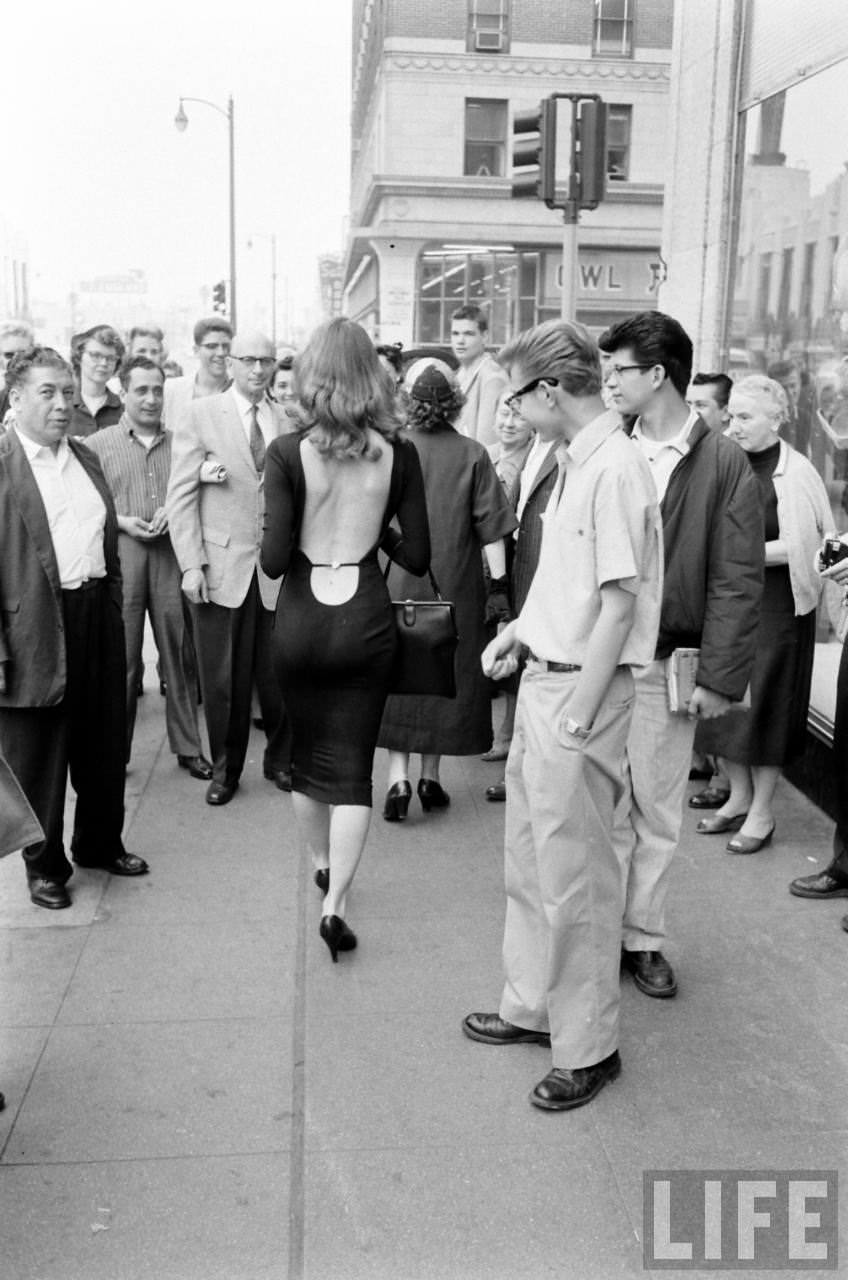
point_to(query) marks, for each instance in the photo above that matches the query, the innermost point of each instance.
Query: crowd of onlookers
(634, 548)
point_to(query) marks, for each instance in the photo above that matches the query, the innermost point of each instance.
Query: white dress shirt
(664, 455)
(264, 417)
(75, 510)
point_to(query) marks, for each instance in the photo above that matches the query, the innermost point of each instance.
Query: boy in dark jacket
(714, 553)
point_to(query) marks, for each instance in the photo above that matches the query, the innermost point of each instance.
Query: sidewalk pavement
(194, 1092)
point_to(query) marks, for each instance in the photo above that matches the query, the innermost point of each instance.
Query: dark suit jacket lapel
(25, 492)
(549, 464)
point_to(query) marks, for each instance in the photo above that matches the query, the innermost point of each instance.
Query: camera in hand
(833, 550)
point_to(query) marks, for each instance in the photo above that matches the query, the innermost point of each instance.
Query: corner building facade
(433, 225)
(756, 239)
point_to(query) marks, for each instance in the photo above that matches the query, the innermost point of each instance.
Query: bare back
(343, 514)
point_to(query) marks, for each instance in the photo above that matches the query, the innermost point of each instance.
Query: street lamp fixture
(181, 124)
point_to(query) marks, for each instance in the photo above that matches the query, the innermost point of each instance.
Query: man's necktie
(257, 444)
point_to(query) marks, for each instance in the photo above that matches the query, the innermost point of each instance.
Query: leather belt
(563, 667)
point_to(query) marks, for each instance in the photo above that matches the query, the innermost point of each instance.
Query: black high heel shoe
(322, 878)
(398, 797)
(337, 935)
(431, 795)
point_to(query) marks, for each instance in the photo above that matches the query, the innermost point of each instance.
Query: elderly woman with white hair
(756, 743)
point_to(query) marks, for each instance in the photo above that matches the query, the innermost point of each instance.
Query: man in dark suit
(62, 660)
(216, 530)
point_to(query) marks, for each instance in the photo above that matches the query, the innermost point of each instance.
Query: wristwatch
(575, 728)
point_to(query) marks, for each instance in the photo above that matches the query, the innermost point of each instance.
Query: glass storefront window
(790, 300)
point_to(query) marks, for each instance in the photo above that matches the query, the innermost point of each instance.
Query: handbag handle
(433, 583)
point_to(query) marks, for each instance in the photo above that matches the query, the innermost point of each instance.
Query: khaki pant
(562, 937)
(649, 818)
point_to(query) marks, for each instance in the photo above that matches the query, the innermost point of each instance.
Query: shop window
(501, 281)
(613, 28)
(619, 121)
(485, 137)
(488, 26)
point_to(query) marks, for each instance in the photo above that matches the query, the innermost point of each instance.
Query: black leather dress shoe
(221, 792)
(49, 893)
(824, 884)
(489, 1028)
(198, 766)
(432, 795)
(561, 1090)
(280, 777)
(123, 864)
(496, 792)
(651, 972)
(709, 798)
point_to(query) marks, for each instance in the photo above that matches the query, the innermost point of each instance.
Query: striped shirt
(137, 476)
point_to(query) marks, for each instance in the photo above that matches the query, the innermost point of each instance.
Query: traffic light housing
(534, 152)
(219, 297)
(591, 153)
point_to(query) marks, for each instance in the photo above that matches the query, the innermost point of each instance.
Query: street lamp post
(273, 238)
(181, 122)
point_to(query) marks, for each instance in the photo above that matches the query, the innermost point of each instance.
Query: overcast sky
(98, 179)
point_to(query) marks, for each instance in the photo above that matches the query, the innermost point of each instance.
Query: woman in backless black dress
(333, 656)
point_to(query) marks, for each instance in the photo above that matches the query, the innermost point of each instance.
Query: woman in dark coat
(468, 512)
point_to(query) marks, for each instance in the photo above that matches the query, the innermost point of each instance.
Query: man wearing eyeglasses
(590, 615)
(216, 531)
(212, 339)
(714, 549)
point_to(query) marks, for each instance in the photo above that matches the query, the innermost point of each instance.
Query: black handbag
(426, 645)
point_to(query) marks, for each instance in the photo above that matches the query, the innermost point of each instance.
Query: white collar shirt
(76, 513)
(664, 455)
(264, 416)
(601, 525)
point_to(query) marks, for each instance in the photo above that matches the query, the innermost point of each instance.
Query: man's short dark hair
(138, 362)
(19, 366)
(654, 338)
(102, 333)
(145, 331)
(722, 382)
(211, 324)
(472, 312)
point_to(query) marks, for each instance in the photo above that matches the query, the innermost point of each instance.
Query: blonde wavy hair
(341, 390)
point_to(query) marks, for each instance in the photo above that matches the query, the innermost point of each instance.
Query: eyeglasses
(513, 401)
(265, 361)
(100, 357)
(619, 369)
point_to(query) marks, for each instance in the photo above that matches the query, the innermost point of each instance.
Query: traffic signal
(591, 157)
(219, 297)
(534, 152)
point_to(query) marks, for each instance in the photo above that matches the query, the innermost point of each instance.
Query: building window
(613, 33)
(485, 137)
(488, 26)
(619, 120)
